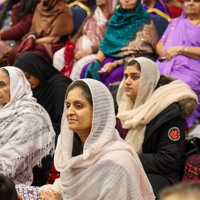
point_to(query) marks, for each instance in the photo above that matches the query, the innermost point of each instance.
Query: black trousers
(40, 175)
(158, 182)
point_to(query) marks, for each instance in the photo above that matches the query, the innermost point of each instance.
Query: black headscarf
(51, 94)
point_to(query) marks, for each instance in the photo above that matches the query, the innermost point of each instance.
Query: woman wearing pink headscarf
(87, 39)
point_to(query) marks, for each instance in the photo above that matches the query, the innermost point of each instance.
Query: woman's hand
(19, 196)
(107, 68)
(50, 196)
(82, 53)
(173, 51)
(92, 70)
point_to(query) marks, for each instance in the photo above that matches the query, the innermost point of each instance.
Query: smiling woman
(78, 107)
(105, 162)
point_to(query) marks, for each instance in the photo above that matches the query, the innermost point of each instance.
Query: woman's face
(79, 113)
(4, 88)
(192, 8)
(132, 81)
(128, 5)
(34, 82)
(100, 2)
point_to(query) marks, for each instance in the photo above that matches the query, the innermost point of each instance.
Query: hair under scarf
(108, 168)
(149, 102)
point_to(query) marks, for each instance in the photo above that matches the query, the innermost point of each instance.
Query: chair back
(79, 11)
(161, 24)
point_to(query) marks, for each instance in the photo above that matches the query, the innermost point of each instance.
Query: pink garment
(93, 31)
(181, 32)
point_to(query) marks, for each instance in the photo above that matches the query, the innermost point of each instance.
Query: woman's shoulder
(33, 108)
(123, 157)
(184, 107)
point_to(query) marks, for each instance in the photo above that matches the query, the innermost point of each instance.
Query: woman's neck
(83, 136)
(194, 19)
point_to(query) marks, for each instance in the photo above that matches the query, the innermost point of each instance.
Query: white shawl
(108, 168)
(26, 132)
(149, 103)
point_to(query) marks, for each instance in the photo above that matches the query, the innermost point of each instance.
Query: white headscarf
(108, 167)
(26, 132)
(149, 102)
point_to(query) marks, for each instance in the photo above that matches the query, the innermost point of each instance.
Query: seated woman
(130, 33)
(87, 40)
(152, 109)
(48, 84)
(158, 4)
(26, 132)
(94, 162)
(51, 25)
(15, 21)
(180, 55)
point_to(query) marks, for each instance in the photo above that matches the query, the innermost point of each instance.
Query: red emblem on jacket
(174, 134)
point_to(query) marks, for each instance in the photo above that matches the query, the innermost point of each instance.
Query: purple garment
(160, 5)
(115, 76)
(1, 5)
(181, 32)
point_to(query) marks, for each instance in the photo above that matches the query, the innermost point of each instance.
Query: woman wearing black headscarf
(47, 83)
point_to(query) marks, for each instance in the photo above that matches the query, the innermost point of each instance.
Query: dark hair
(77, 143)
(7, 189)
(135, 63)
(25, 7)
(183, 189)
(83, 86)
(5, 71)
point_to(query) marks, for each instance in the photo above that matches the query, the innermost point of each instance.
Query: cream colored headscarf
(149, 102)
(108, 168)
(26, 131)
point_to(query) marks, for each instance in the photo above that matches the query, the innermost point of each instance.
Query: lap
(28, 192)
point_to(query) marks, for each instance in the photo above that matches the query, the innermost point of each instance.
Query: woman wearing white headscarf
(105, 167)
(152, 109)
(26, 132)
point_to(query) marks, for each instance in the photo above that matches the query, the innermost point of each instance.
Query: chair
(161, 24)
(79, 11)
(155, 10)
